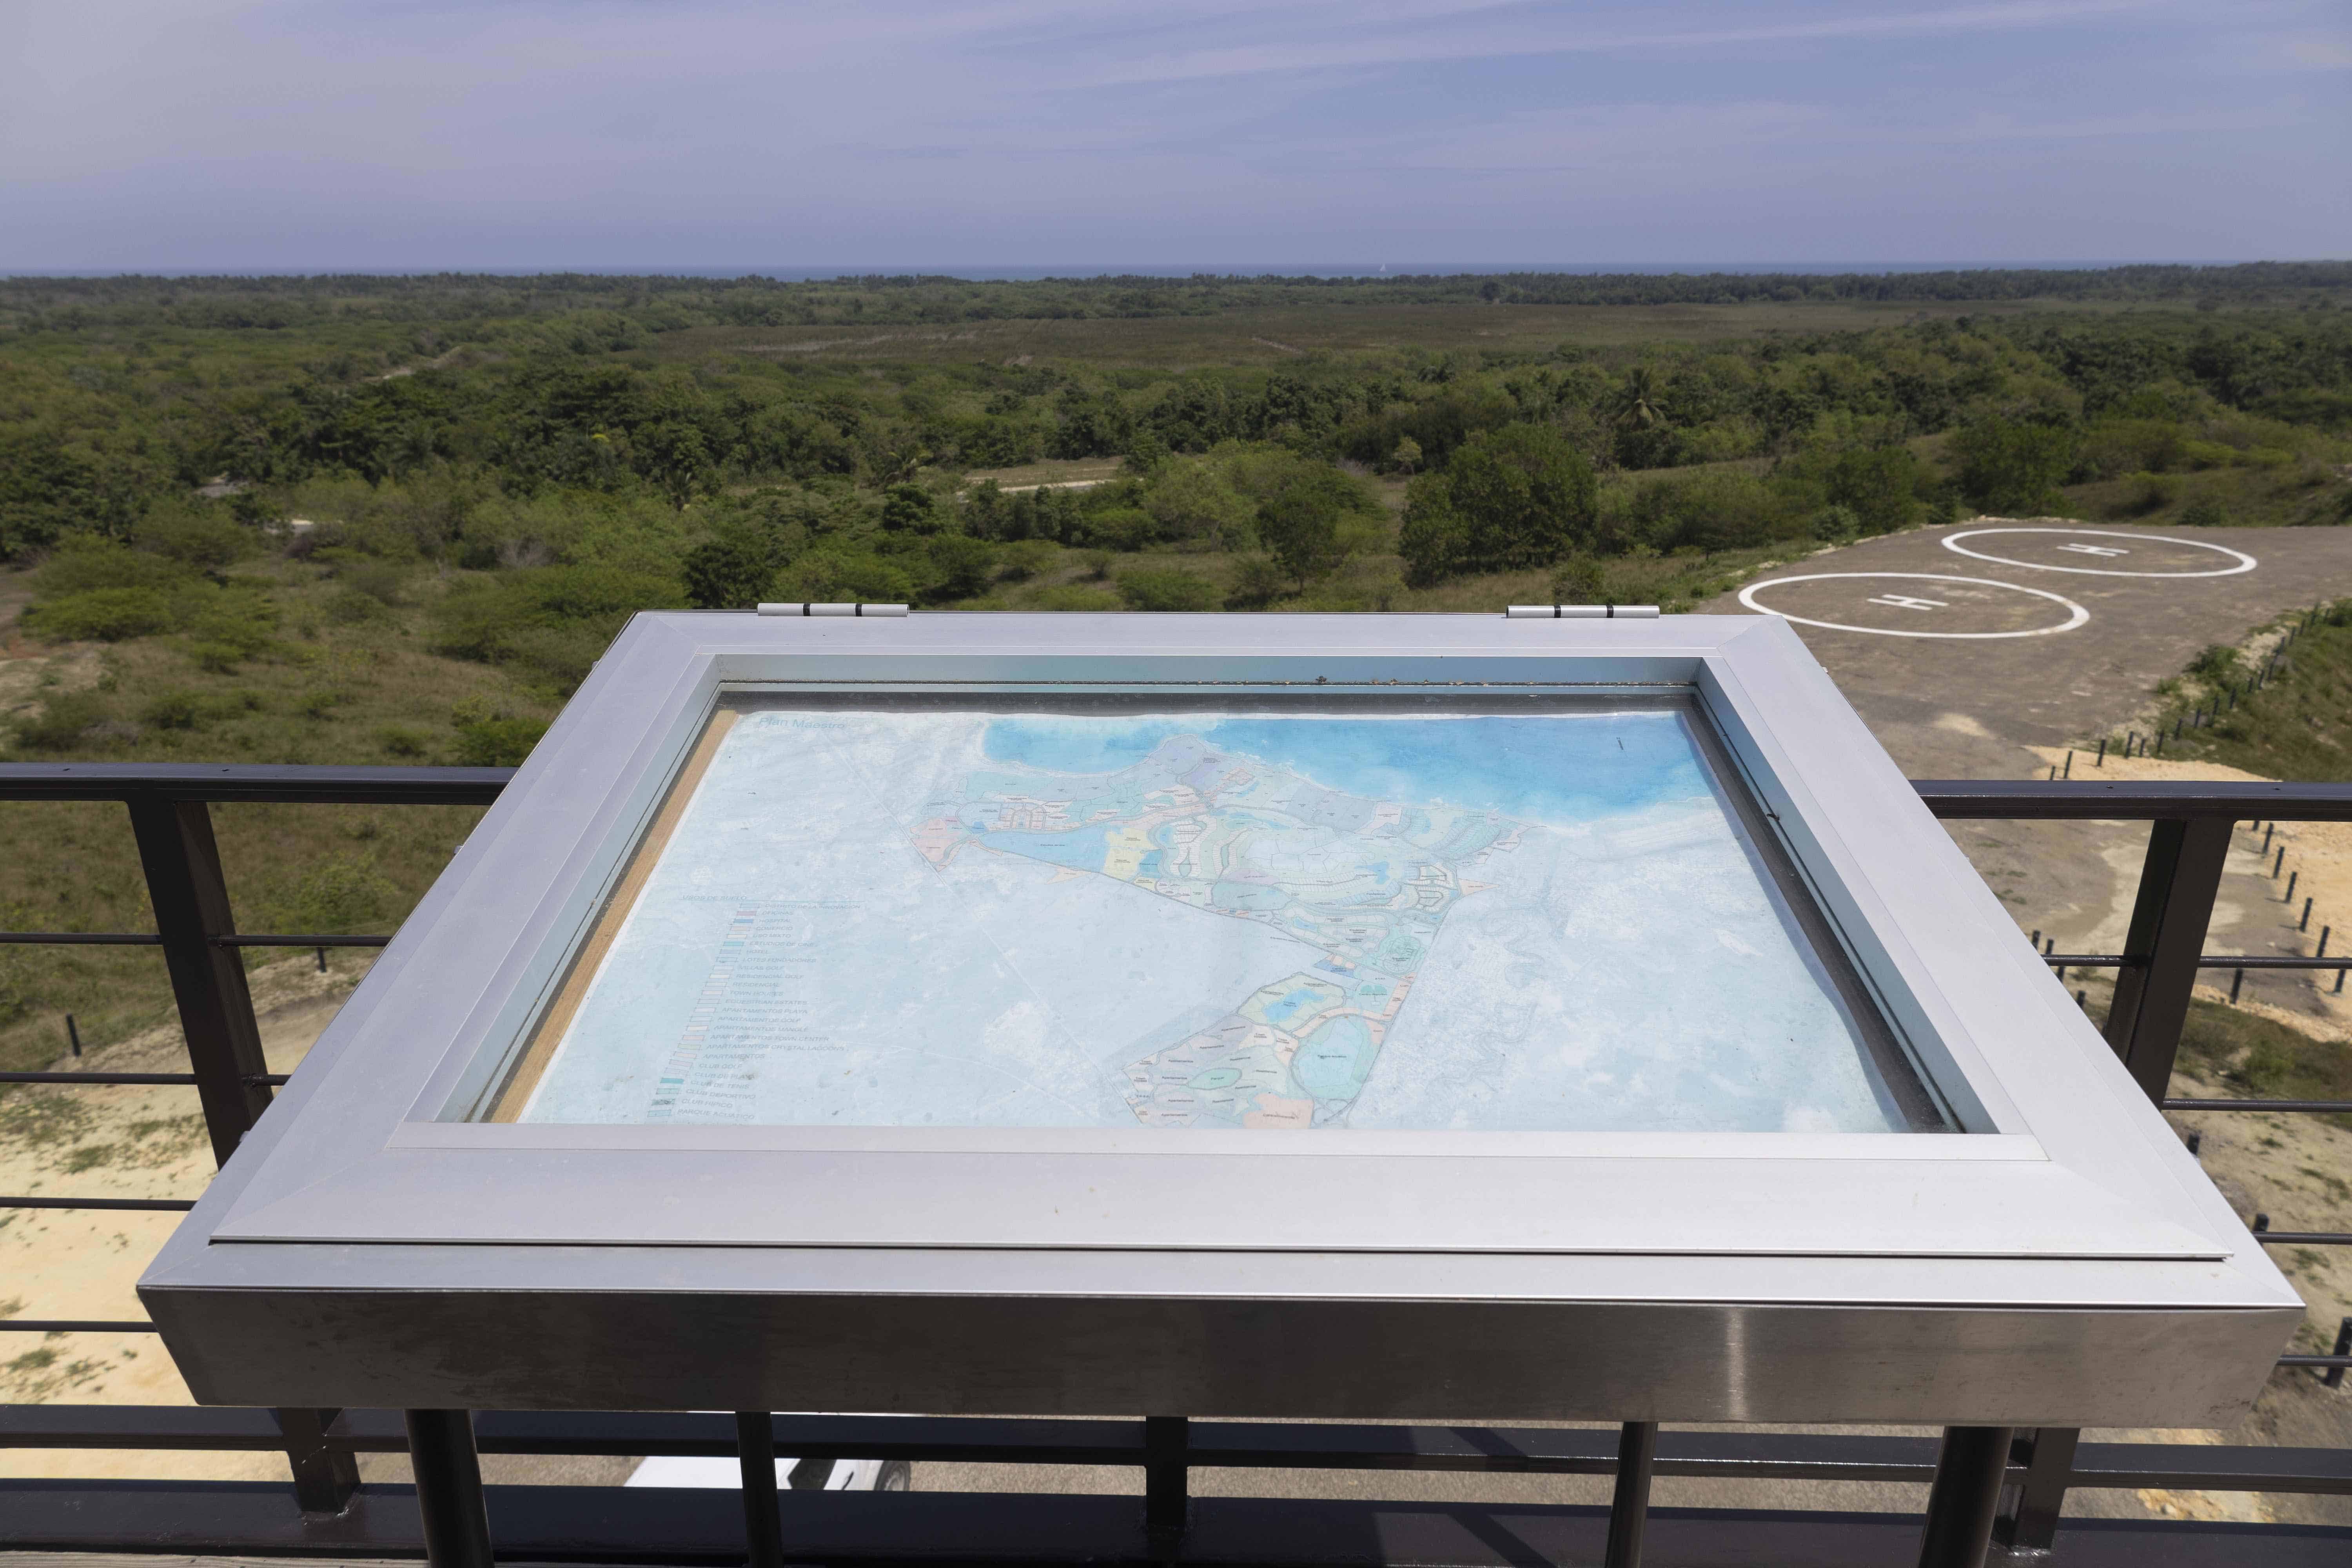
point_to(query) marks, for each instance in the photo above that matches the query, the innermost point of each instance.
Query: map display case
(1374, 1016)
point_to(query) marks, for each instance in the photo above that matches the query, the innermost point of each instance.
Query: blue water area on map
(1558, 768)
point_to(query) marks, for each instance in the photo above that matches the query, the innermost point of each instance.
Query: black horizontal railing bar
(2091, 799)
(1223, 1444)
(2304, 1237)
(2318, 1361)
(2316, 1105)
(99, 1078)
(300, 940)
(169, 1205)
(2096, 800)
(75, 1326)
(288, 783)
(2208, 961)
(693, 1527)
(82, 938)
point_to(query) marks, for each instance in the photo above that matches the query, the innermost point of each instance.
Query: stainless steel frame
(2066, 1265)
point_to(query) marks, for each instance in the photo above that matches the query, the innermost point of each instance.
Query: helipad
(2099, 552)
(1914, 605)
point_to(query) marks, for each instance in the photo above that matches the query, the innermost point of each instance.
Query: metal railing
(2017, 1482)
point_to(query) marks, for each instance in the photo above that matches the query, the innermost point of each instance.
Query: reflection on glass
(936, 915)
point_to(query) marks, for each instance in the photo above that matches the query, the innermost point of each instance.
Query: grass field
(1270, 336)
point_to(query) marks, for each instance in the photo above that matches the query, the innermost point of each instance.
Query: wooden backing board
(549, 1033)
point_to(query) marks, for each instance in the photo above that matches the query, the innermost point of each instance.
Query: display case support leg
(449, 1487)
(1629, 1505)
(2177, 884)
(2033, 1524)
(325, 1479)
(1166, 1439)
(1961, 1505)
(755, 1445)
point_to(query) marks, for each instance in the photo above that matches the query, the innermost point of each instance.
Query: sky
(293, 134)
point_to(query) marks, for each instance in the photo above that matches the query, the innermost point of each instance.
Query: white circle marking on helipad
(2078, 615)
(2245, 562)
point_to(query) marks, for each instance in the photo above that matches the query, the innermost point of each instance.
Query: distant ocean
(1147, 269)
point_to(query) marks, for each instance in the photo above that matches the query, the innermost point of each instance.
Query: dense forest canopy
(657, 303)
(560, 450)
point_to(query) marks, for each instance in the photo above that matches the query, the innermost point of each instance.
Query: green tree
(676, 456)
(45, 491)
(2012, 469)
(1519, 496)
(730, 573)
(1300, 523)
(1880, 486)
(1407, 457)
(909, 509)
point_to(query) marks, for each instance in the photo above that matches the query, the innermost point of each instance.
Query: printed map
(1204, 920)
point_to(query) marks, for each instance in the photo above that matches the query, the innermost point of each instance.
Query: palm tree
(1639, 400)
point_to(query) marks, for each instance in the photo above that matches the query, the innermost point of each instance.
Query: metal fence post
(1629, 1502)
(184, 884)
(2176, 885)
(449, 1487)
(2042, 1497)
(755, 1450)
(1961, 1505)
(1166, 1479)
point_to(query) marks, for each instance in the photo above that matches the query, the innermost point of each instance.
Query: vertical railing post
(1166, 1477)
(1966, 1497)
(185, 885)
(449, 1487)
(755, 1452)
(2175, 904)
(192, 908)
(2033, 1524)
(1629, 1503)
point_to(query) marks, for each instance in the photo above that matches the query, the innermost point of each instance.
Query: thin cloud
(1325, 53)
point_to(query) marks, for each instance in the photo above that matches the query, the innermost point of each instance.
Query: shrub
(546, 616)
(732, 573)
(196, 539)
(1023, 558)
(2148, 492)
(960, 567)
(1258, 580)
(498, 743)
(2012, 468)
(2203, 513)
(1071, 596)
(64, 717)
(404, 739)
(338, 897)
(909, 509)
(1835, 524)
(101, 615)
(840, 573)
(350, 607)
(1168, 590)
(85, 562)
(174, 711)
(1879, 486)
(1515, 497)
(1579, 581)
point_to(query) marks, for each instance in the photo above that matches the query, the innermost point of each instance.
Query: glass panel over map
(930, 913)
